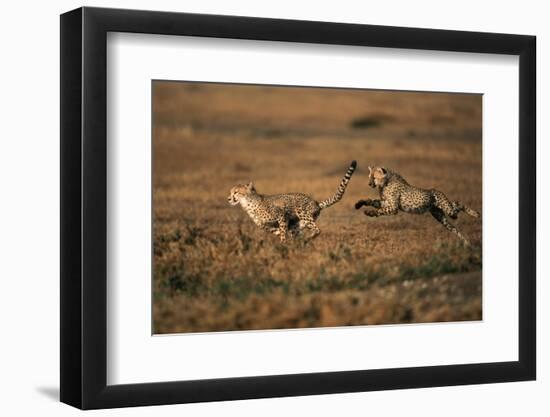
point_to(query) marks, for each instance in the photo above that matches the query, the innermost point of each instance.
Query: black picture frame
(84, 207)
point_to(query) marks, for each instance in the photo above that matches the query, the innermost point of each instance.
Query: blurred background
(214, 270)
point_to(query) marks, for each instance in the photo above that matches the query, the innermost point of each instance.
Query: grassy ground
(214, 270)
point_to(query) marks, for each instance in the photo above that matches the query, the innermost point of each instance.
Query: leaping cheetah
(283, 213)
(396, 194)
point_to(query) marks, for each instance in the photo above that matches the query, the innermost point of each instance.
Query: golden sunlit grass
(215, 270)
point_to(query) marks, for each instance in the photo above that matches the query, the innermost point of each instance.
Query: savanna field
(214, 270)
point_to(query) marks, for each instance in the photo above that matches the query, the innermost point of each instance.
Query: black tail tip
(353, 163)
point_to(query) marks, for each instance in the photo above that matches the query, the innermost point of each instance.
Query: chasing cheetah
(283, 213)
(396, 194)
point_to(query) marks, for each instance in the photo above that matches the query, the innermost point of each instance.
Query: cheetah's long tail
(341, 188)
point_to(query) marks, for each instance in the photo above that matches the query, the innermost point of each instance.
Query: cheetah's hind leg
(310, 224)
(294, 227)
(458, 206)
(439, 215)
(451, 209)
(281, 229)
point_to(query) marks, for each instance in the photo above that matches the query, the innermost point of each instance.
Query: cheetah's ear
(370, 169)
(382, 170)
(250, 186)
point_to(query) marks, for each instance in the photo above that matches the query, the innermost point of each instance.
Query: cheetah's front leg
(270, 229)
(440, 217)
(367, 202)
(386, 208)
(283, 228)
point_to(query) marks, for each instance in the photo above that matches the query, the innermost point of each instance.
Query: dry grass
(214, 270)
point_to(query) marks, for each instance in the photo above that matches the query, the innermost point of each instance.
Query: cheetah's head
(378, 176)
(240, 191)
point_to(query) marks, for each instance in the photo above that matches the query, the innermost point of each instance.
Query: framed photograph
(260, 208)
